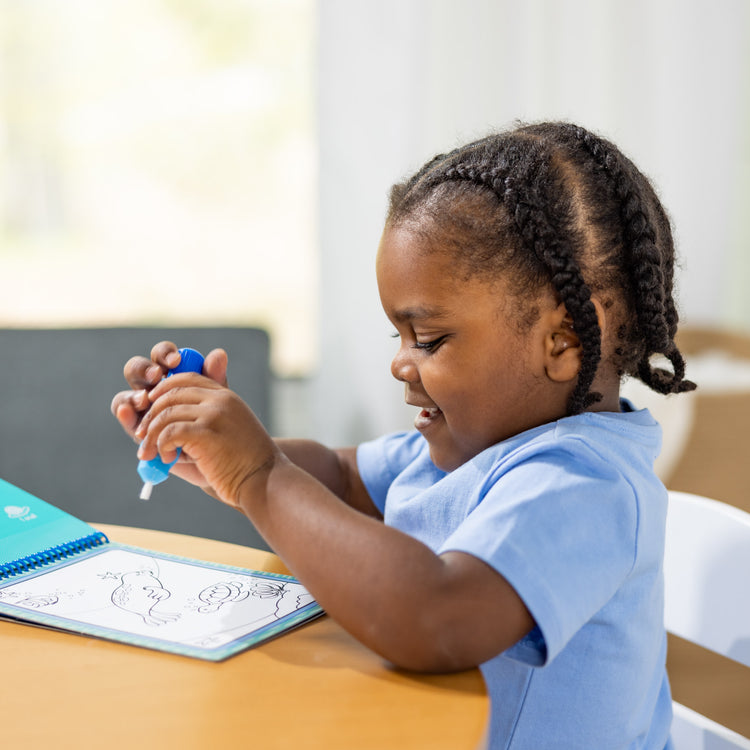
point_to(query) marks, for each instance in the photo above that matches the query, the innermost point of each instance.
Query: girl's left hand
(223, 442)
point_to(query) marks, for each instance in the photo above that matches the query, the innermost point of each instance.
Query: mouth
(427, 417)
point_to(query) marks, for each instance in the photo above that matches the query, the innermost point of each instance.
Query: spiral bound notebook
(56, 571)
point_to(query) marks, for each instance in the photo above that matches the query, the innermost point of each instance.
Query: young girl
(520, 526)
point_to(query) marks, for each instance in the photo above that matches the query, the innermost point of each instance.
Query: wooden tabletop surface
(315, 687)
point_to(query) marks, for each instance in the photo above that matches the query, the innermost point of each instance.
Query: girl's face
(475, 376)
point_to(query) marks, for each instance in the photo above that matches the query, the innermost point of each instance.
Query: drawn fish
(139, 592)
(216, 596)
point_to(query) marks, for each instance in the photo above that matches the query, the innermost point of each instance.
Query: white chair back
(707, 599)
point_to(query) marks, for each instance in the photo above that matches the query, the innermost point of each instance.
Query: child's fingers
(127, 406)
(162, 430)
(171, 393)
(125, 415)
(142, 372)
(183, 381)
(215, 366)
(166, 354)
(218, 433)
(135, 372)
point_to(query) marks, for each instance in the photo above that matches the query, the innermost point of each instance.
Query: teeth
(432, 411)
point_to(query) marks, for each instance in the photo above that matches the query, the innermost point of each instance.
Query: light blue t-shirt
(573, 516)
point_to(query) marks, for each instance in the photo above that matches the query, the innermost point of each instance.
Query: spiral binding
(51, 555)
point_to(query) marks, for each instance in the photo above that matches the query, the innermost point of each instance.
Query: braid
(651, 271)
(556, 254)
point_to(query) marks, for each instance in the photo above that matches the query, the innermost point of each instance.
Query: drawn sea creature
(216, 596)
(268, 589)
(40, 600)
(139, 592)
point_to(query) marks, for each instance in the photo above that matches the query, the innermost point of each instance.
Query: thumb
(215, 366)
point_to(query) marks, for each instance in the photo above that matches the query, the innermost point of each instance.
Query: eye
(430, 346)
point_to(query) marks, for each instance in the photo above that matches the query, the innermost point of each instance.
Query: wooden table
(315, 687)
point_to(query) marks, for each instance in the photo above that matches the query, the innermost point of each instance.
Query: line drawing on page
(185, 602)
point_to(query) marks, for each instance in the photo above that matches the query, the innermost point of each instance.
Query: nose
(403, 367)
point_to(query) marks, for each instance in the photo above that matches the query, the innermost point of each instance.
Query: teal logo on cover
(19, 513)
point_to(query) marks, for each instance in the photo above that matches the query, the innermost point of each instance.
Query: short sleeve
(380, 461)
(561, 529)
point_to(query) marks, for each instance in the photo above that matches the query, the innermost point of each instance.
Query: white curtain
(398, 80)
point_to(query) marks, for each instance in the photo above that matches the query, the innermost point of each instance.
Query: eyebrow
(410, 314)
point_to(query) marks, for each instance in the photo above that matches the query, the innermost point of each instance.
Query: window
(157, 165)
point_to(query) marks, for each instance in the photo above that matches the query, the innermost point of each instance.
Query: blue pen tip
(154, 471)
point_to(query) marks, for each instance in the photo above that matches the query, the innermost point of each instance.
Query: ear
(562, 349)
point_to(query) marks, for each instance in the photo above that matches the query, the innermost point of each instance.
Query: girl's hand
(223, 443)
(144, 374)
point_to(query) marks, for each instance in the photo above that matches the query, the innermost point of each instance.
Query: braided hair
(554, 204)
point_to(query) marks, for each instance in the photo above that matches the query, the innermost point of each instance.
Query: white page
(144, 594)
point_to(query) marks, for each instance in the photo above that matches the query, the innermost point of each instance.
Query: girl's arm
(335, 469)
(419, 610)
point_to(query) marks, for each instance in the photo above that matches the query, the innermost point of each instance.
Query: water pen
(156, 471)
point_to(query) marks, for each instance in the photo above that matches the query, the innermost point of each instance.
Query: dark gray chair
(59, 441)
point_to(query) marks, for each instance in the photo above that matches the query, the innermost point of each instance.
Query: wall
(399, 80)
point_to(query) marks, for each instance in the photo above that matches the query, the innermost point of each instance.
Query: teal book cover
(32, 529)
(58, 572)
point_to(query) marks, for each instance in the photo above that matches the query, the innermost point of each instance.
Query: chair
(59, 441)
(707, 599)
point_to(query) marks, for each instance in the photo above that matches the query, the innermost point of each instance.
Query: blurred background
(226, 163)
(158, 164)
